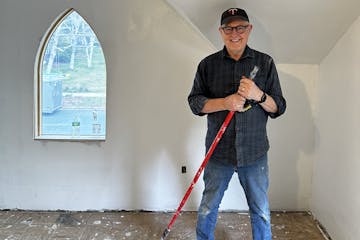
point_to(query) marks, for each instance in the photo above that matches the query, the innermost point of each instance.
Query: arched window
(70, 82)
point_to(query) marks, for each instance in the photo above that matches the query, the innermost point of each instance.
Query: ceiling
(294, 32)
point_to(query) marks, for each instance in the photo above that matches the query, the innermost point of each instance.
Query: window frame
(38, 68)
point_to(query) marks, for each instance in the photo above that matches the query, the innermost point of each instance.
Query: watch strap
(263, 98)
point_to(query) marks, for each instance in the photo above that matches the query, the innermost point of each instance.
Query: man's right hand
(234, 102)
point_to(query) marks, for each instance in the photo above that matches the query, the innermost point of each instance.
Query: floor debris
(19, 225)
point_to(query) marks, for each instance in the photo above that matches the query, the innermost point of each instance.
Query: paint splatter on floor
(24, 225)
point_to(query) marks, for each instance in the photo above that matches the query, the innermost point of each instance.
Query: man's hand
(249, 90)
(234, 102)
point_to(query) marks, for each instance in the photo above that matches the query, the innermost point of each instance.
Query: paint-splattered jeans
(255, 182)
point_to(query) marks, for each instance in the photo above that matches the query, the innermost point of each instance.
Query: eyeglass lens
(238, 29)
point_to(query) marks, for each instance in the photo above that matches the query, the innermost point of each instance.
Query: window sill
(70, 138)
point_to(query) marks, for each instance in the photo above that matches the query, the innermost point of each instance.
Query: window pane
(73, 82)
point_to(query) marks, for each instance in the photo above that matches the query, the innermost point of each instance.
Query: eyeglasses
(238, 29)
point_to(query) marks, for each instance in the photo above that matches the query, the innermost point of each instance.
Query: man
(222, 84)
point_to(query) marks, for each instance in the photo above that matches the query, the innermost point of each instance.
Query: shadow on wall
(292, 147)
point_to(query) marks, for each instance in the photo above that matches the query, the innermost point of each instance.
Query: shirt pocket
(222, 87)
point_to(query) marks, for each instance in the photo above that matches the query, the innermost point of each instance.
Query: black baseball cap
(232, 14)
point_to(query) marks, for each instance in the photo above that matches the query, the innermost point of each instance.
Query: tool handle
(198, 173)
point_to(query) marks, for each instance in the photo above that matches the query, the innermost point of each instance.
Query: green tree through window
(71, 89)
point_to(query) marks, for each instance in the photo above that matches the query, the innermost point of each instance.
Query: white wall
(336, 195)
(292, 139)
(150, 68)
(151, 55)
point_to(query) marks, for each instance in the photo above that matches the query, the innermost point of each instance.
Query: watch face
(263, 98)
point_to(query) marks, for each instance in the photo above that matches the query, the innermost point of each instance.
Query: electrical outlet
(183, 169)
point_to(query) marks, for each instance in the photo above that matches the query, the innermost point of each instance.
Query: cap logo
(232, 11)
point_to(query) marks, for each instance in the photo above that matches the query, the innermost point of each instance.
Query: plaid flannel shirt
(218, 75)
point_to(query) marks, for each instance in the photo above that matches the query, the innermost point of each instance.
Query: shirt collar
(248, 52)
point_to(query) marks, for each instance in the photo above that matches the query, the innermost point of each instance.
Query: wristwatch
(263, 98)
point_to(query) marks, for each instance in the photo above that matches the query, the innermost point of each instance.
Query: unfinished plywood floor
(24, 225)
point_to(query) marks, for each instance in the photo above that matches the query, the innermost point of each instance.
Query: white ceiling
(299, 32)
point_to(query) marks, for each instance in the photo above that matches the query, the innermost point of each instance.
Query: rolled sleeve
(197, 97)
(274, 90)
(197, 103)
(281, 106)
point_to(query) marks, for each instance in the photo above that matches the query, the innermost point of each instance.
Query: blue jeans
(255, 182)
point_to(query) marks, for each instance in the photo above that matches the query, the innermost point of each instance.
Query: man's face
(235, 35)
